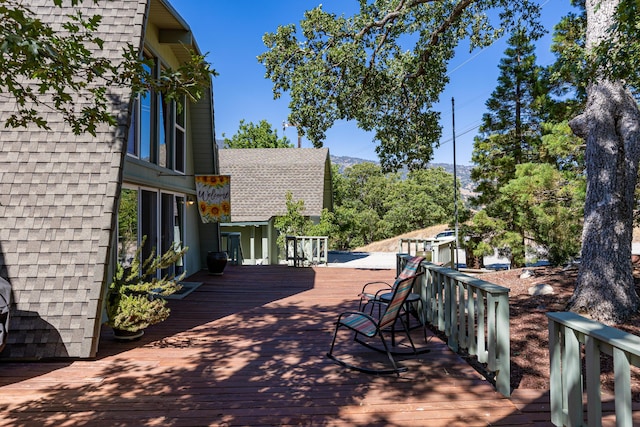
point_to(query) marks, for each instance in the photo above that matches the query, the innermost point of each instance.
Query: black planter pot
(216, 261)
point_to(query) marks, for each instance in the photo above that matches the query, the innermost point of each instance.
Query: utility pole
(455, 181)
(286, 125)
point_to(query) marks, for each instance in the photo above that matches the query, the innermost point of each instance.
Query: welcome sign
(214, 197)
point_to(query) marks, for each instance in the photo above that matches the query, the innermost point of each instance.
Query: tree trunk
(471, 242)
(610, 125)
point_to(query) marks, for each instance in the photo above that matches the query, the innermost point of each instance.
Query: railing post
(572, 378)
(482, 326)
(503, 346)
(462, 316)
(471, 321)
(592, 365)
(556, 401)
(622, 371)
(451, 311)
(326, 250)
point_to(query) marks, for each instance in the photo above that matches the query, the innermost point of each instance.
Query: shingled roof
(261, 177)
(58, 199)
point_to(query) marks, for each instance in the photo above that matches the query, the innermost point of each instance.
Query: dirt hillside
(391, 244)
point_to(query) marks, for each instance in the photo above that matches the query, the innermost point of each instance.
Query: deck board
(248, 348)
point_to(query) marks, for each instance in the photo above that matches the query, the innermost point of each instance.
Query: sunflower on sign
(214, 197)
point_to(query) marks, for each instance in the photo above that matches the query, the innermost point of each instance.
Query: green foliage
(567, 75)
(128, 216)
(478, 233)
(370, 205)
(530, 169)
(384, 67)
(61, 71)
(510, 135)
(423, 199)
(361, 207)
(551, 204)
(262, 135)
(134, 300)
(293, 223)
(325, 227)
(617, 55)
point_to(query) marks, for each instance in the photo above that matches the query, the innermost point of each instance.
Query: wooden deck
(248, 348)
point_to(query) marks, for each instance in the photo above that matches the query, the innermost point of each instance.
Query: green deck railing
(441, 252)
(567, 332)
(472, 313)
(304, 251)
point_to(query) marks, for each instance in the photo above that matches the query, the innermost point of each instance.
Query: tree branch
(391, 16)
(435, 36)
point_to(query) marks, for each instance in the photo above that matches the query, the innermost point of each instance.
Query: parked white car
(446, 235)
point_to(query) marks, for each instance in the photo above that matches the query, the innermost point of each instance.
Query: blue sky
(231, 32)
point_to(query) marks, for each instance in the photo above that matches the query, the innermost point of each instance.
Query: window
(153, 215)
(132, 146)
(127, 226)
(146, 113)
(157, 133)
(164, 146)
(180, 138)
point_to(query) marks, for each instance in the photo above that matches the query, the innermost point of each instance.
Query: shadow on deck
(248, 348)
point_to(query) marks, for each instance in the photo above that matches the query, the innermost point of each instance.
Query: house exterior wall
(59, 200)
(149, 176)
(254, 241)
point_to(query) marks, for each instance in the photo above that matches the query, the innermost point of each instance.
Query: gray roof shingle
(57, 198)
(261, 177)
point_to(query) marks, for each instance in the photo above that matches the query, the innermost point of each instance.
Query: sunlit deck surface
(248, 348)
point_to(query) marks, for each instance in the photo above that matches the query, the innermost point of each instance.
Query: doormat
(187, 288)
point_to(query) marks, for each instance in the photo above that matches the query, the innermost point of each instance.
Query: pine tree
(510, 132)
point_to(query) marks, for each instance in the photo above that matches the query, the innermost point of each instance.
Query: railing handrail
(322, 244)
(566, 381)
(470, 280)
(442, 250)
(472, 313)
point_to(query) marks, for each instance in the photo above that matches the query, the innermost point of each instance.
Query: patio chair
(369, 296)
(378, 294)
(365, 324)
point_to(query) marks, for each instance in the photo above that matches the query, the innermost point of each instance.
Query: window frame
(175, 134)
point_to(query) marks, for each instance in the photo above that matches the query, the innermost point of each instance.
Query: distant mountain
(463, 172)
(344, 162)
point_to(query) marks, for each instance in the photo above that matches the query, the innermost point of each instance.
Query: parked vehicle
(446, 235)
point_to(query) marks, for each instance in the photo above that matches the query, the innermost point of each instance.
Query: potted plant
(135, 296)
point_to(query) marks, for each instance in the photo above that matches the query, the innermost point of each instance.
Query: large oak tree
(610, 125)
(386, 66)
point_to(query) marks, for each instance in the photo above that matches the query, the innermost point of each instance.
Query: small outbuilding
(260, 180)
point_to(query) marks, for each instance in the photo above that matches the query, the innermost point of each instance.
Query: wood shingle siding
(59, 192)
(57, 197)
(261, 177)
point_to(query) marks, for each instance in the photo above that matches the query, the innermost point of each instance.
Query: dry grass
(391, 245)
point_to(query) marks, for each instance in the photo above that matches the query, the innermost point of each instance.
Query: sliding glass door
(153, 216)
